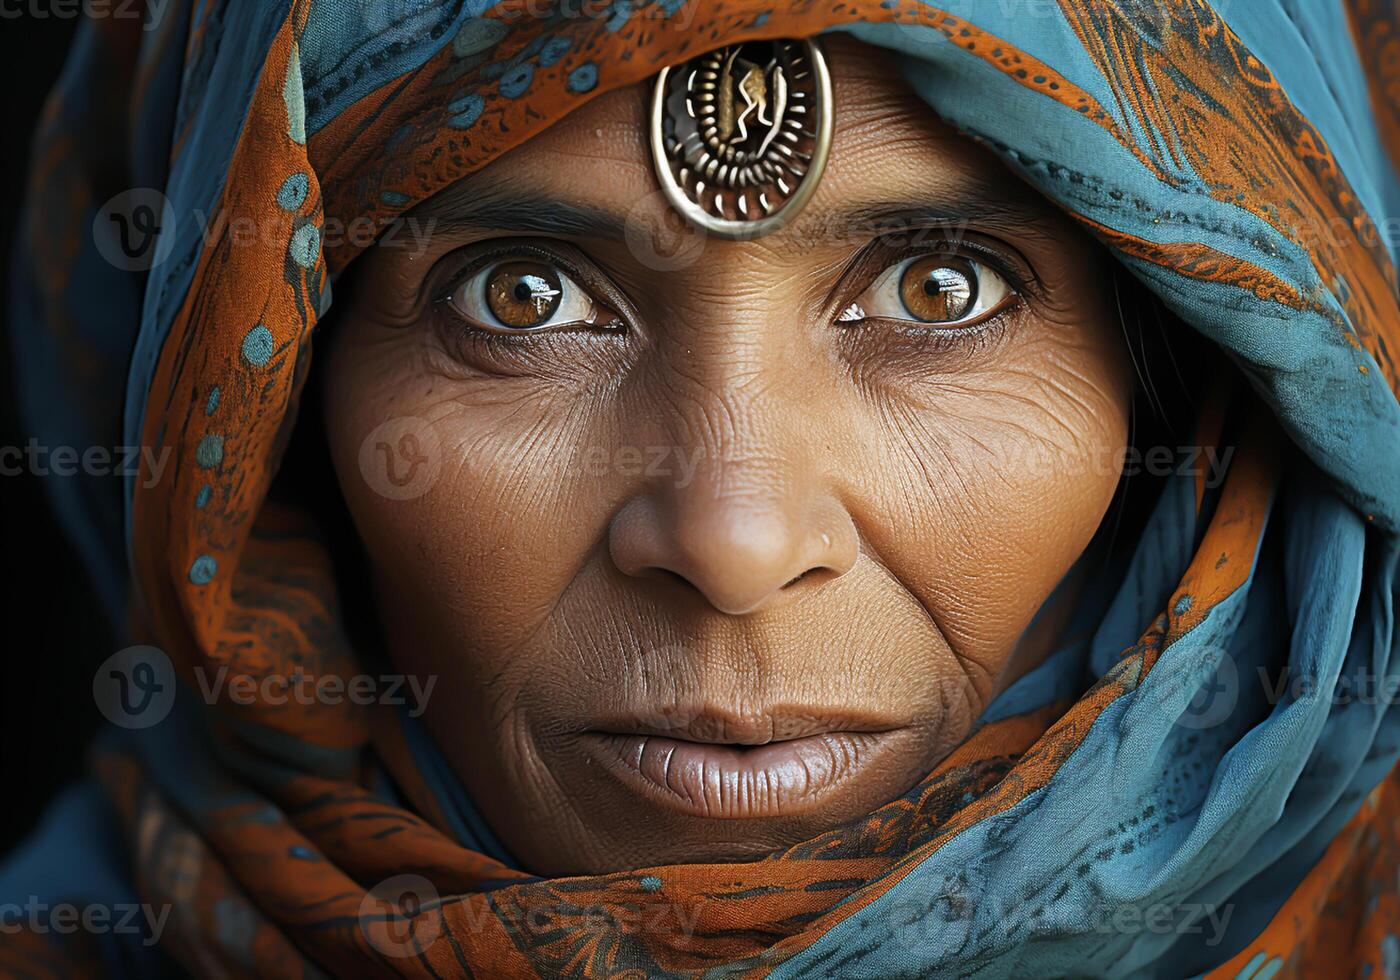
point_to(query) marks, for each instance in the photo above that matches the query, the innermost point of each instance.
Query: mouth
(720, 767)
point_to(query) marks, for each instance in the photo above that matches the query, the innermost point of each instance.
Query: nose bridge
(732, 406)
(736, 390)
(757, 516)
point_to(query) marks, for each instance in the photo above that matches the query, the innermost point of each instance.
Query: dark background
(52, 632)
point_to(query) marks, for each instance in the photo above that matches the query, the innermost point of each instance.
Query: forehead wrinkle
(552, 183)
(893, 166)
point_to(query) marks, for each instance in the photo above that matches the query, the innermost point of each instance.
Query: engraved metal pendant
(740, 135)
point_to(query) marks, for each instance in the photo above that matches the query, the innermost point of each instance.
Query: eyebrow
(973, 203)
(871, 219)
(506, 212)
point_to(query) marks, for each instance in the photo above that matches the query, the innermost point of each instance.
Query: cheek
(991, 484)
(976, 489)
(512, 490)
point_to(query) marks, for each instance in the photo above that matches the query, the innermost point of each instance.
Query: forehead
(887, 145)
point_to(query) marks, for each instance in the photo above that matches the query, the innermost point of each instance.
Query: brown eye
(523, 294)
(939, 289)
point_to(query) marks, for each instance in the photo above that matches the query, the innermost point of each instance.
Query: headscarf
(1239, 158)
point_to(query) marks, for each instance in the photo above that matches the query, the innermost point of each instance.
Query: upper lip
(716, 726)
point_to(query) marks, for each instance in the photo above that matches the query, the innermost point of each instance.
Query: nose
(743, 548)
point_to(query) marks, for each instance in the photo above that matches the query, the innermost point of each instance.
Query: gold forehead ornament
(740, 135)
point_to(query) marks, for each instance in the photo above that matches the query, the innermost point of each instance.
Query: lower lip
(728, 782)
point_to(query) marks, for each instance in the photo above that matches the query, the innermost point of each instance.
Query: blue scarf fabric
(1211, 790)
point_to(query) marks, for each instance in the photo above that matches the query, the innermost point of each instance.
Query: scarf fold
(1195, 783)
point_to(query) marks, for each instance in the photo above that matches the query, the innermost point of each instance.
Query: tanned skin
(719, 570)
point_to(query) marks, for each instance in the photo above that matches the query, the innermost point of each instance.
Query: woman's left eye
(937, 290)
(526, 296)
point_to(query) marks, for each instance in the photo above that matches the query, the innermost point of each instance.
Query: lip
(749, 774)
(716, 726)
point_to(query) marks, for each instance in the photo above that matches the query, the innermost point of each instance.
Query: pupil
(524, 294)
(939, 289)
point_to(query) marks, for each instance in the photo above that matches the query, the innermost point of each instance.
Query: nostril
(811, 575)
(675, 576)
(818, 574)
(734, 557)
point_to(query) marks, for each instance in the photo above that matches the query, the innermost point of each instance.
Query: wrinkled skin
(734, 518)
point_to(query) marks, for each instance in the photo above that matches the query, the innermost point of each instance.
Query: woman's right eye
(526, 296)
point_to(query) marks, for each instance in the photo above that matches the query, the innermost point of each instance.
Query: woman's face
(714, 545)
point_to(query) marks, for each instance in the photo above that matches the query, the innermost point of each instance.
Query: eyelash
(517, 346)
(509, 352)
(885, 259)
(588, 280)
(936, 342)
